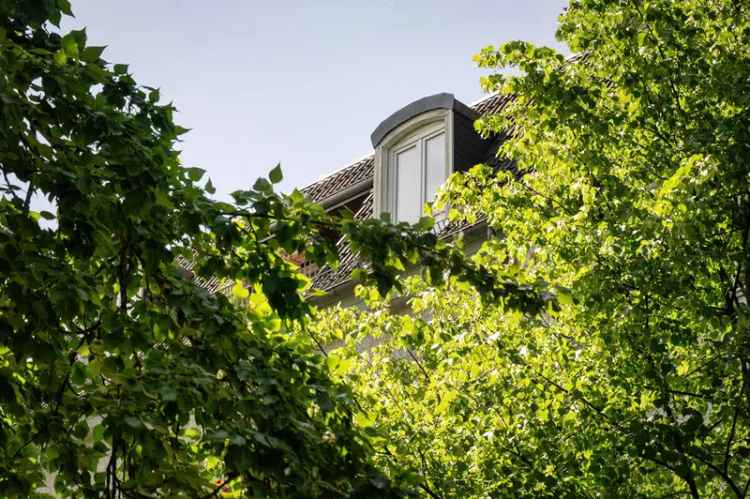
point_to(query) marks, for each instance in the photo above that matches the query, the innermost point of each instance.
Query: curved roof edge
(419, 106)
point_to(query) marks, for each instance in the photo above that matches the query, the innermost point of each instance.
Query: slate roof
(327, 278)
(212, 285)
(349, 176)
(363, 170)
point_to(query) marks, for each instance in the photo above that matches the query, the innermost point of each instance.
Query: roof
(212, 285)
(361, 173)
(327, 278)
(354, 180)
(491, 104)
(363, 169)
(349, 176)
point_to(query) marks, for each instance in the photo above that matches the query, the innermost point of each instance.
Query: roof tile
(351, 175)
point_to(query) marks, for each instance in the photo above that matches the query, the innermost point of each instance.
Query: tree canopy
(118, 376)
(597, 344)
(630, 203)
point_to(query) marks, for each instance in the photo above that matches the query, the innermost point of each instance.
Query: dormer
(416, 148)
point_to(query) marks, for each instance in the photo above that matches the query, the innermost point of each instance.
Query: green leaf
(69, 45)
(195, 173)
(361, 419)
(426, 223)
(92, 54)
(78, 374)
(64, 6)
(564, 298)
(276, 176)
(60, 58)
(99, 432)
(240, 291)
(263, 185)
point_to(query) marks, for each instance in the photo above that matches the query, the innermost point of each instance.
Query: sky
(301, 83)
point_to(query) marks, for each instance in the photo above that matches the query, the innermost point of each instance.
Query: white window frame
(416, 131)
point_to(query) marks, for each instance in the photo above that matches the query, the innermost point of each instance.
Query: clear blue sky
(301, 83)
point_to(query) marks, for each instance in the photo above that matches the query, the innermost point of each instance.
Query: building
(415, 149)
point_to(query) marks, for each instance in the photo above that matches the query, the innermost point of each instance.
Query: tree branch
(27, 201)
(11, 188)
(730, 439)
(231, 476)
(415, 359)
(429, 491)
(719, 472)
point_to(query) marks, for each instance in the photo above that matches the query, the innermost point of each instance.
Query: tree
(118, 376)
(630, 207)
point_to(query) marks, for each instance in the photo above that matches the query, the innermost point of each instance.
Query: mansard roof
(356, 179)
(362, 171)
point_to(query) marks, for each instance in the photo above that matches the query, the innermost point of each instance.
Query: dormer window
(414, 154)
(419, 165)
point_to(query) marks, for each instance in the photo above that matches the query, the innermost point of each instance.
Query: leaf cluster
(630, 211)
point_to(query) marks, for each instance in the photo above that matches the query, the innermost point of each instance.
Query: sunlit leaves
(629, 205)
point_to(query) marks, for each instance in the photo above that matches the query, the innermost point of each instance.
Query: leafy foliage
(118, 376)
(631, 205)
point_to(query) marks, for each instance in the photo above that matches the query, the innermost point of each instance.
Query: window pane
(408, 204)
(435, 167)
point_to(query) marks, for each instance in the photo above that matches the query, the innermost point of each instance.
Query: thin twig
(27, 201)
(415, 359)
(231, 476)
